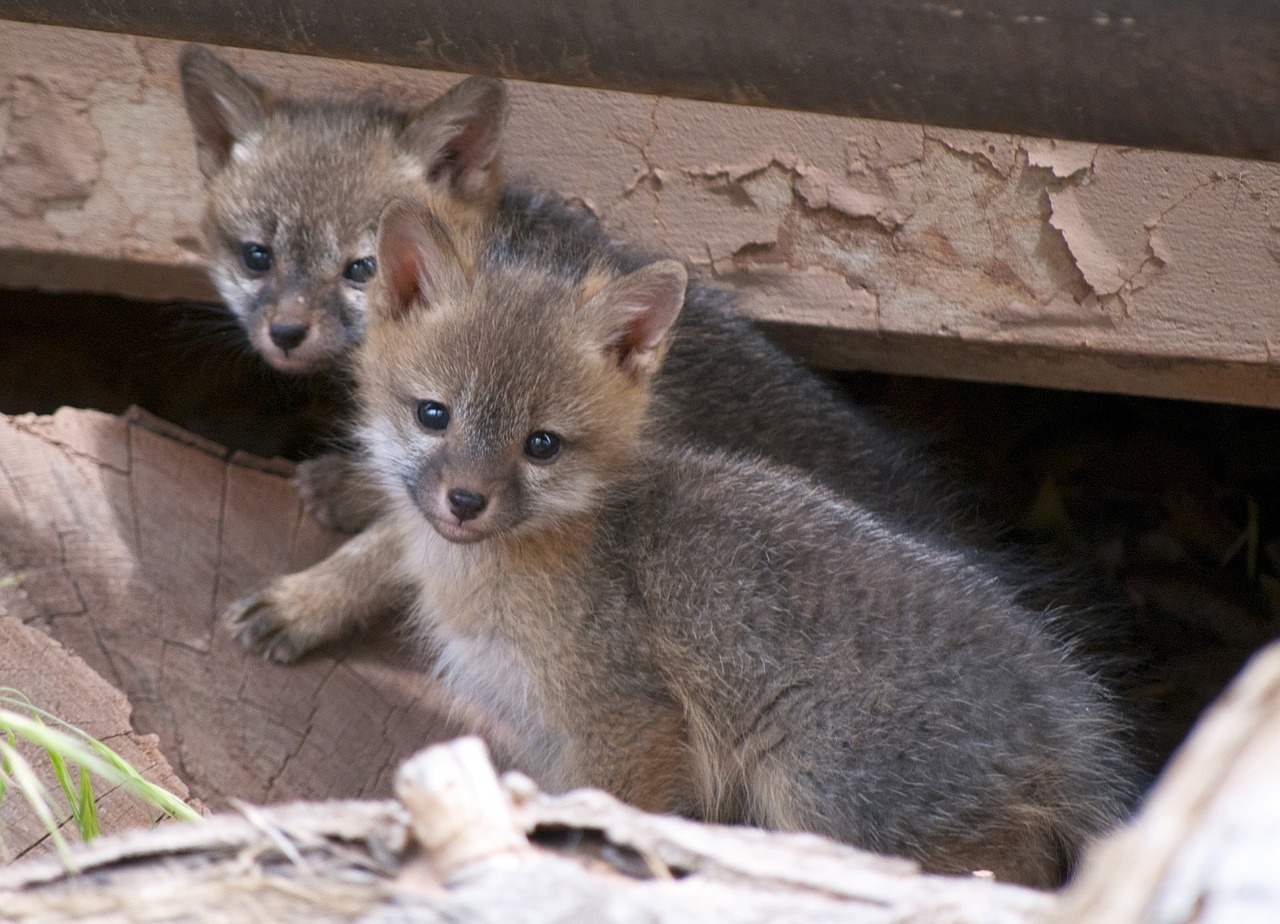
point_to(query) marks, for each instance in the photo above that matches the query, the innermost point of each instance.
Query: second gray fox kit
(695, 631)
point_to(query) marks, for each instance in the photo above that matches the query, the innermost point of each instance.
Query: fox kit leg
(644, 762)
(336, 493)
(346, 591)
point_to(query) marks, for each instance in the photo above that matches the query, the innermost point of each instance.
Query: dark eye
(433, 415)
(256, 257)
(543, 446)
(360, 271)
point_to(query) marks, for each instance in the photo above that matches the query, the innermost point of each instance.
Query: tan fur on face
(456, 336)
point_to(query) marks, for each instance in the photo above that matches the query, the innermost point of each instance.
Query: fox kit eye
(433, 415)
(360, 271)
(256, 257)
(543, 446)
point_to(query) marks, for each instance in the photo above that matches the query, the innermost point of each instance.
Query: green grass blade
(87, 817)
(37, 797)
(68, 745)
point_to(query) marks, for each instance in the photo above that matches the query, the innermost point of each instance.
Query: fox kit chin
(694, 631)
(294, 190)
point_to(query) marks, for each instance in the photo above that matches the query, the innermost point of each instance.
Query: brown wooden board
(893, 247)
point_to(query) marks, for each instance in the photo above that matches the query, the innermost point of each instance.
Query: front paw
(262, 623)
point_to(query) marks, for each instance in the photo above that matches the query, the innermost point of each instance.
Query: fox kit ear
(223, 106)
(417, 262)
(637, 310)
(458, 136)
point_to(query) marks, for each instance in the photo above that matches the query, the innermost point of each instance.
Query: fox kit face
(294, 191)
(505, 401)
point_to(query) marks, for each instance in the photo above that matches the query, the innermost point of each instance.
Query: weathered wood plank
(896, 247)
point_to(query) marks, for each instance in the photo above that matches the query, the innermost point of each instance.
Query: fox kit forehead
(298, 172)
(509, 332)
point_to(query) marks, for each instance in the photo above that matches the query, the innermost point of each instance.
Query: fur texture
(698, 631)
(301, 184)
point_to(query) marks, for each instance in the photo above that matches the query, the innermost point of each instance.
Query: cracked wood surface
(886, 246)
(126, 538)
(56, 680)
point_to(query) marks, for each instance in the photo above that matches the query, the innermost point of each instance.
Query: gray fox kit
(693, 630)
(293, 190)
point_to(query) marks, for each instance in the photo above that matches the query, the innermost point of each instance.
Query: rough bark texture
(902, 248)
(124, 539)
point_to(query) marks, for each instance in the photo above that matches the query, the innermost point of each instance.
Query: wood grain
(128, 537)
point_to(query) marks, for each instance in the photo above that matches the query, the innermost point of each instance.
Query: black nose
(287, 336)
(466, 505)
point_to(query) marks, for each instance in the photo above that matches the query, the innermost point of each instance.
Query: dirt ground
(1174, 503)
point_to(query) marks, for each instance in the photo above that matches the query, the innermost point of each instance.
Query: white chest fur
(465, 602)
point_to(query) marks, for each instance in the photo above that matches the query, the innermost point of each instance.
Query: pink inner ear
(642, 332)
(414, 260)
(400, 261)
(645, 311)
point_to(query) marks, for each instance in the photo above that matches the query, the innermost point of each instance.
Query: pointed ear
(636, 312)
(457, 138)
(417, 261)
(223, 106)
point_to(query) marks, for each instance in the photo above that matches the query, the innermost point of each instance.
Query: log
(1206, 847)
(125, 538)
(863, 245)
(590, 858)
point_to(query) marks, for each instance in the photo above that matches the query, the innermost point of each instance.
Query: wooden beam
(1196, 75)
(876, 245)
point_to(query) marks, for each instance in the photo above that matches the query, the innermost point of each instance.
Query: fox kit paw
(263, 624)
(333, 492)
